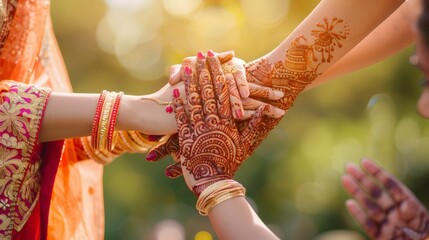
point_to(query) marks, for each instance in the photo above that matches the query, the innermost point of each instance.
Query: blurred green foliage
(293, 179)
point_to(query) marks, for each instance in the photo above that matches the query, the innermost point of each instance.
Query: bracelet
(217, 193)
(103, 128)
(169, 105)
(94, 130)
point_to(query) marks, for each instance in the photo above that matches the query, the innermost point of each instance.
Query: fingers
(220, 87)
(174, 170)
(193, 92)
(369, 225)
(162, 150)
(257, 91)
(208, 96)
(224, 56)
(176, 71)
(252, 104)
(234, 97)
(174, 74)
(374, 211)
(250, 133)
(240, 79)
(395, 188)
(182, 121)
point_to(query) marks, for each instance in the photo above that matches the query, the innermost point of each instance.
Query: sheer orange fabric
(65, 199)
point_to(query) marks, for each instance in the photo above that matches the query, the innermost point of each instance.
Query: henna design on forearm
(299, 68)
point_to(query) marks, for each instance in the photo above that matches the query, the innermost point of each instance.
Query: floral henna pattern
(299, 68)
(211, 146)
(383, 206)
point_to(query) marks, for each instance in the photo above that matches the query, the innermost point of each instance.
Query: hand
(211, 145)
(383, 205)
(235, 74)
(234, 78)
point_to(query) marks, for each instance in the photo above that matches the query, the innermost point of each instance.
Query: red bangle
(94, 130)
(112, 121)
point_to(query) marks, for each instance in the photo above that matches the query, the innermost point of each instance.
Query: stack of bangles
(218, 193)
(105, 143)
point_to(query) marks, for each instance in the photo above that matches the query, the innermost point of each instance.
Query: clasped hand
(212, 147)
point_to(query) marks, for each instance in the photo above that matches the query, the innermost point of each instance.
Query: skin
(380, 202)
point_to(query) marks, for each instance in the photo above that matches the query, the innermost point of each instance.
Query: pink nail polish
(201, 56)
(210, 53)
(169, 109)
(154, 138)
(151, 156)
(176, 93)
(188, 70)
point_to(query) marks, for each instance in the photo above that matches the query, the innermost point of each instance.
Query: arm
(390, 37)
(70, 115)
(236, 219)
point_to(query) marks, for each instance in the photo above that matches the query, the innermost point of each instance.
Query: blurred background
(293, 179)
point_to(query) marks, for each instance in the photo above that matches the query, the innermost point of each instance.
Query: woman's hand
(383, 205)
(211, 145)
(243, 95)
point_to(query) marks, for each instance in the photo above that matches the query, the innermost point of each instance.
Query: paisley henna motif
(299, 68)
(292, 75)
(384, 207)
(212, 148)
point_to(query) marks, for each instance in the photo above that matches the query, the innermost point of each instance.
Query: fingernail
(151, 156)
(169, 109)
(188, 70)
(176, 93)
(153, 138)
(201, 56)
(280, 111)
(278, 93)
(210, 53)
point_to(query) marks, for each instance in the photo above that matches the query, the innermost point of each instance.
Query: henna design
(299, 68)
(215, 149)
(292, 75)
(326, 39)
(406, 218)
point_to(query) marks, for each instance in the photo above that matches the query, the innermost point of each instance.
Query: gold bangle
(98, 156)
(217, 193)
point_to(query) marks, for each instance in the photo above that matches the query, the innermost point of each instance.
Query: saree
(47, 190)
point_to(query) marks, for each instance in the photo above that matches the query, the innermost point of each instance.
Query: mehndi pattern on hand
(382, 205)
(212, 147)
(299, 68)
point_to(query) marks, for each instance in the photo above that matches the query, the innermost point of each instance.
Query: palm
(383, 206)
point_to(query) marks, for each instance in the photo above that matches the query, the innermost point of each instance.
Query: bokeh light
(293, 178)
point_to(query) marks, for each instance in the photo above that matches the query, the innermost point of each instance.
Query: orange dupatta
(64, 198)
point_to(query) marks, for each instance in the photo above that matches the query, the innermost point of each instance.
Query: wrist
(147, 114)
(217, 193)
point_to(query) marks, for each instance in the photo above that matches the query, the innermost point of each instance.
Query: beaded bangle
(94, 131)
(217, 193)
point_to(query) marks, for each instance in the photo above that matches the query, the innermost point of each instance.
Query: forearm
(70, 115)
(235, 219)
(345, 27)
(390, 37)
